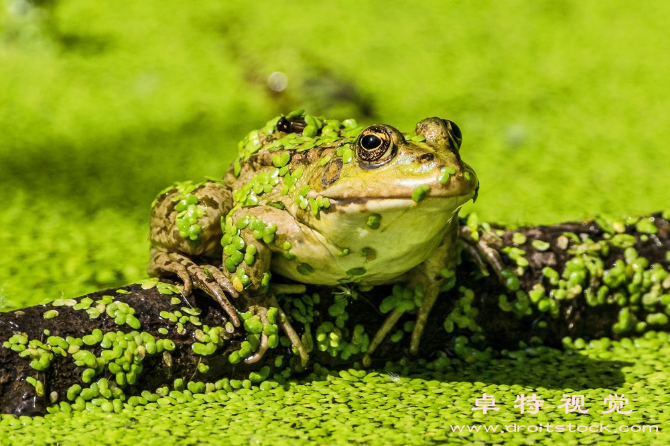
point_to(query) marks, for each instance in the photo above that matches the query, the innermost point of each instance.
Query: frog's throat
(407, 233)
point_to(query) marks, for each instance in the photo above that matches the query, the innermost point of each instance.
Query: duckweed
(402, 299)
(518, 238)
(463, 315)
(174, 122)
(402, 403)
(188, 211)
(420, 192)
(540, 245)
(374, 220)
(50, 314)
(445, 173)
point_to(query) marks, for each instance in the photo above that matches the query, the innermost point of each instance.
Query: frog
(322, 202)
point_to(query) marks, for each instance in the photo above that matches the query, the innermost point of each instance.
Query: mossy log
(600, 278)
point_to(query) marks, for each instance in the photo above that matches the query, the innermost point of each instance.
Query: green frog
(323, 202)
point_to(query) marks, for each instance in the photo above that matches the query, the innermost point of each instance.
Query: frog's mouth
(401, 201)
(385, 205)
(461, 187)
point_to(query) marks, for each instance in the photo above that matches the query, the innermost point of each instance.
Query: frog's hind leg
(429, 276)
(285, 325)
(430, 294)
(207, 278)
(386, 327)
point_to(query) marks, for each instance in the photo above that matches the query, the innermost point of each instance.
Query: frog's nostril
(294, 125)
(283, 125)
(427, 157)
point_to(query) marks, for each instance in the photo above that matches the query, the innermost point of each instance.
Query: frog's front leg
(430, 276)
(186, 225)
(250, 234)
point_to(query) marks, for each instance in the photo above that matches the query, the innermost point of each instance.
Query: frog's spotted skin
(321, 202)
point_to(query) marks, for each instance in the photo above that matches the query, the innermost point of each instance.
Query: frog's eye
(375, 147)
(455, 135)
(370, 142)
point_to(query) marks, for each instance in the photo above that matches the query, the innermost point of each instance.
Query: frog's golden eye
(375, 147)
(455, 135)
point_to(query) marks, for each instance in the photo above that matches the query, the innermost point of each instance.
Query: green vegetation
(400, 405)
(563, 107)
(104, 106)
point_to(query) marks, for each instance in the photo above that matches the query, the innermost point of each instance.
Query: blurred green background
(563, 105)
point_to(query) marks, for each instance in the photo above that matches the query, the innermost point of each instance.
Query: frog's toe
(263, 346)
(161, 264)
(429, 299)
(416, 336)
(260, 352)
(284, 323)
(484, 247)
(386, 327)
(286, 326)
(207, 278)
(472, 253)
(212, 281)
(221, 280)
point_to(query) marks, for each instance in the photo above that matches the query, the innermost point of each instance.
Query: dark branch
(614, 277)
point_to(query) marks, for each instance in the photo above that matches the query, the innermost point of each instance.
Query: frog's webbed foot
(285, 325)
(207, 278)
(484, 247)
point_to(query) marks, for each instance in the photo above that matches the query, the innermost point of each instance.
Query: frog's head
(394, 202)
(424, 166)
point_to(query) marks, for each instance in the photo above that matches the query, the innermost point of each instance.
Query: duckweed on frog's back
(320, 202)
